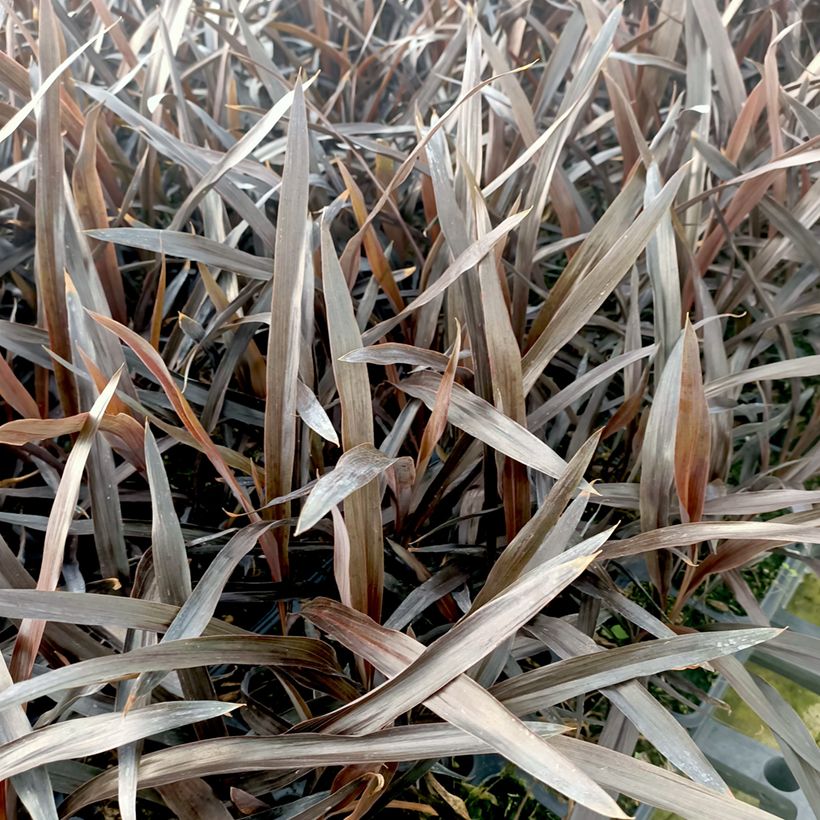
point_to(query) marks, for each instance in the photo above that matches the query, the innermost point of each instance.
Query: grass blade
(286, 318)
(636, 778)
(692, 442)
(30, 633)
(182, 653)
(357, 468)
(50, 213)
(362, 507)
(87, 736)
(481, 420)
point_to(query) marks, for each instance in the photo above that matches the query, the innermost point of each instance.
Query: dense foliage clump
(391, 384)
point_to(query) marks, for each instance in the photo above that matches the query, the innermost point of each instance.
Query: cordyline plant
(388, 383)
